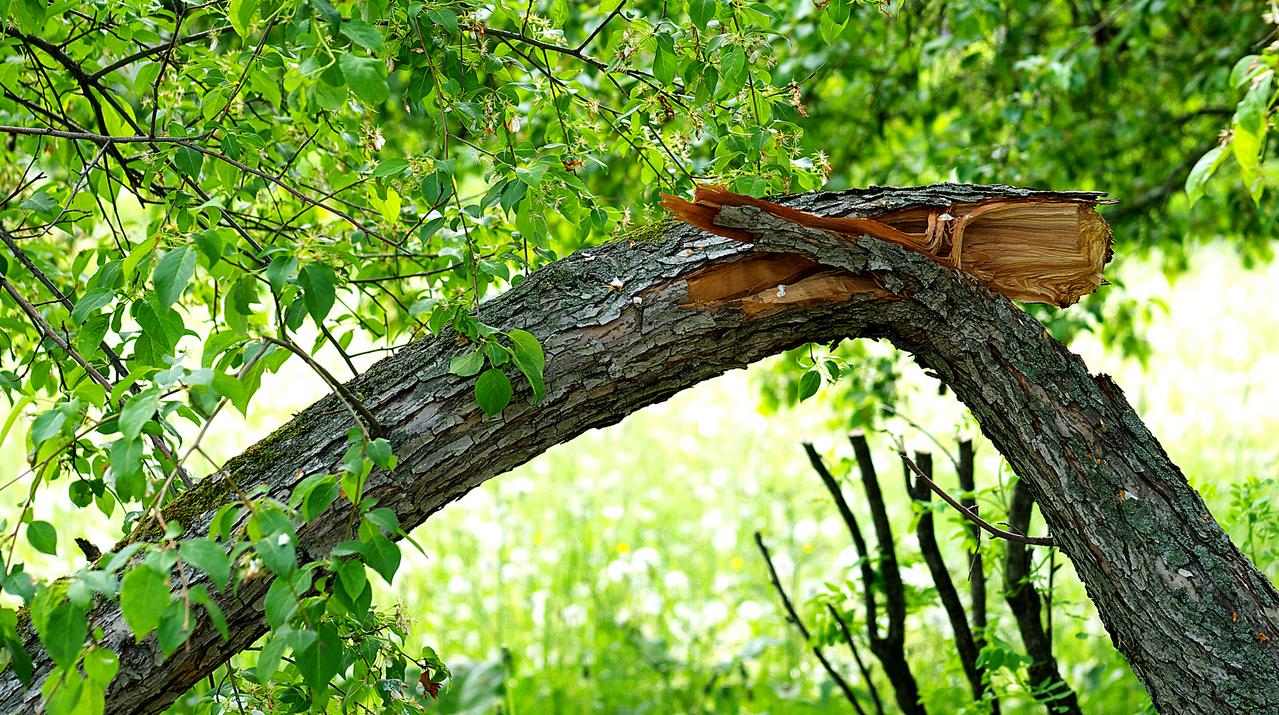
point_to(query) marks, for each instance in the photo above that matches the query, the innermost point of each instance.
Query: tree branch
(794, 618)
(1119, 509)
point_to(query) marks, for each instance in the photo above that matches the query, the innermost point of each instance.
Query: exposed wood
(1198, 623)
(1042, 248)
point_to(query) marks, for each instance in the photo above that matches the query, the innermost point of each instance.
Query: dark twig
(890, 650)
(857, 658)
(794, 618)
(1047, 685)
(946, 592)
(363, 417)
(976, 570)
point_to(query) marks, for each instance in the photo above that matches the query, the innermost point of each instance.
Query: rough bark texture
(1198, 623)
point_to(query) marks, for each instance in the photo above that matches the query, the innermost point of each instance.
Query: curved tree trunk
(1198, 623)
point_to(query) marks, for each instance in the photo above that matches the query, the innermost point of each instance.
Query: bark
(1198, 623)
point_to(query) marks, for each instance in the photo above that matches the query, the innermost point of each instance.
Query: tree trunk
(1198, 623)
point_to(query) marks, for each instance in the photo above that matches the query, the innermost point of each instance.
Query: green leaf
(200, 596)
(1202, 171)
(468, 364)
(530, 359)
(48, 425)
(269, 657)
(280, 270)
(318, 283)
(391, 167)
(732, 61)
(241, 14)
(277, 553)
(174, 628)
(808, 384)
(138, 411)
(144, 595)
(280, 604)
(493, 391)
(64, 632)
(379, 450)
(701, 12)
(352, 577)
(101, 665)
(43, 537)
(363, 34)
(89, 304)
(383, 556)
(188, 161)
(31, 15)
(444, 18)
(126, 469)
(172, 274)
(209, 557)
(366, 77)
(664, 59)
(320, 663)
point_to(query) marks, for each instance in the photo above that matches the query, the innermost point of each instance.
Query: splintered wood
(1037, 249)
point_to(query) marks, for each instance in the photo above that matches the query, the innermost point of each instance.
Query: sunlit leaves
(172, 274)
(1202, 171)
(43, 536)
(144, 595)
(467, 364)
(493, 391)
(529, 358)
(138, 411)
(62, 632)
(318, 283)
(363, 34)
(209, 557)
(242, 14)
(90, 302)
(366, 77)
(322, 659)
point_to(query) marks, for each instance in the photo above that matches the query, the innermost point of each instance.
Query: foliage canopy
(197, 194)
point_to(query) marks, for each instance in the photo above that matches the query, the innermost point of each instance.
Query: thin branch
(890, 650)
(149, 51)
(985, 525)
(857, 657)
(363, 417)
(863, 553)
(1047, 684)
(976, 569)
(799, 626)
(946, 591)
(600, 27)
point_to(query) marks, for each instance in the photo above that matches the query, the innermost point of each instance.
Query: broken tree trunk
(1196, 620)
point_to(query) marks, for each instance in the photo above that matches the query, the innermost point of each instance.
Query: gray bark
(1195, 619)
